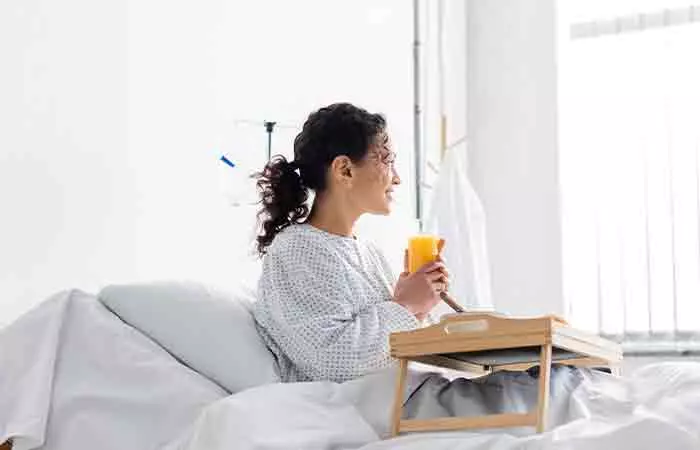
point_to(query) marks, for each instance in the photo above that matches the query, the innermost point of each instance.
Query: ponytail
(283, 198)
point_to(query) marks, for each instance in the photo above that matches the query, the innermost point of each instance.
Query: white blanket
(73, 376)
(659, 407)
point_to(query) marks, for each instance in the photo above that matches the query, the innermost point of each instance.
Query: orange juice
(422, 249)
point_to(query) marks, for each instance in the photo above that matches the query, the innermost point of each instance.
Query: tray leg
(398, 399)
(543, 400)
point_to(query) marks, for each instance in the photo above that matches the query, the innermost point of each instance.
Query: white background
(114, 114)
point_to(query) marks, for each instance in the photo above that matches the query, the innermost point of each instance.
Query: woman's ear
(342, 169)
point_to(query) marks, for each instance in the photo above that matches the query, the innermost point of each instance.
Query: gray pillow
(211, 332)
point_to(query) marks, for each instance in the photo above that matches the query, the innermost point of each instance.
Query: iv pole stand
(417, 113)
(269, 128)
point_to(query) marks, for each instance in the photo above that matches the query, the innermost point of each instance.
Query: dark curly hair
(334, 130)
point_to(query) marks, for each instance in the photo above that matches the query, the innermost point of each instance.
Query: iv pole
(269, 128)
(417, 113)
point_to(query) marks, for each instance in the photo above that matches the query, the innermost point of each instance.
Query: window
(630, 174)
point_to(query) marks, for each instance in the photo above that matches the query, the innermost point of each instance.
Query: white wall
(113, 117)
(512, 121)
(66, 192)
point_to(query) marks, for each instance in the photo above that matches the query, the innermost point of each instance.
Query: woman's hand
(419, 292)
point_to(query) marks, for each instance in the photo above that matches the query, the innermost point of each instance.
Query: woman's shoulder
(298, 241)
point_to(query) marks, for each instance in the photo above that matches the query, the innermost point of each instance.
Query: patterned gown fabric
(324, 306)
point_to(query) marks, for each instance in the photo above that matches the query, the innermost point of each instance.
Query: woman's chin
(383, 207)
(385, 210)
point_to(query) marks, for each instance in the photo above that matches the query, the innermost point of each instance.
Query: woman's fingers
(405, 260)
(435, 275)
(440, 286)
(440, 270)
(432, 266)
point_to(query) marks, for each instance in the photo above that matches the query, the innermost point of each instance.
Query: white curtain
(629, 175)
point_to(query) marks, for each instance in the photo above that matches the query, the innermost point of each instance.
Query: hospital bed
(180, 366)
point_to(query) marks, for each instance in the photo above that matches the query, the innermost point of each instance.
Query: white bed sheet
(74, 376)
(656, 408)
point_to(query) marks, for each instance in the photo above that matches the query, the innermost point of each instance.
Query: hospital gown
(325, 305)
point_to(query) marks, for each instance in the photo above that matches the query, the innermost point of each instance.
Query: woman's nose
(395, 179)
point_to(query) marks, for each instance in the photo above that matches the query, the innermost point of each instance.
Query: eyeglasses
(387, 158)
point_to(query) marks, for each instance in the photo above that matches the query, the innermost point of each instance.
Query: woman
(328, 300)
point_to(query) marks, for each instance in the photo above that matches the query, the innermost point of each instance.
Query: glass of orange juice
(422, 249)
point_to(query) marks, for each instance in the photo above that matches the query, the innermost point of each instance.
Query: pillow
(212, 333)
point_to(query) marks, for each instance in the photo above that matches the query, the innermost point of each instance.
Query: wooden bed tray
(484, 342)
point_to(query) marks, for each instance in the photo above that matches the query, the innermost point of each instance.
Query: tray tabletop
(483, 339)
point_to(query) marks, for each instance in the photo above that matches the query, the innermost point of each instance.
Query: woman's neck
(331, 216)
